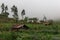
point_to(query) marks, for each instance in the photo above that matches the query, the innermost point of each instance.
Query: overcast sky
(35, 8)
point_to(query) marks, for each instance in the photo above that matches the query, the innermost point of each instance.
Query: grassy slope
(36, 32)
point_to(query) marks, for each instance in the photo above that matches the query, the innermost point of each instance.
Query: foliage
(14, 9)
(36, 32)
(26, 19)
(6, 8)
(22, 13)
(2, 6)
(33, 19)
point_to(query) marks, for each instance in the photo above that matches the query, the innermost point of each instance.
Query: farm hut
(21, 26)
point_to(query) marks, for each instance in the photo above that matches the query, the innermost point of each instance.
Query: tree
(2, 7)
(22, 13)
(6, 8)
(25, 19)
(14, 9)
(35, 20)
(44, 18)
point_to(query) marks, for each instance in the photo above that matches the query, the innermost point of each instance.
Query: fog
(35, 8)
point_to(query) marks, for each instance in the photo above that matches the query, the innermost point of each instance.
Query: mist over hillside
(35, 8)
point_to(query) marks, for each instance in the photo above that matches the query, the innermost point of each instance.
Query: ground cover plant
(35, 32)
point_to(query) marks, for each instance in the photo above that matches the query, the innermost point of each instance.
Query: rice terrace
(28, 27)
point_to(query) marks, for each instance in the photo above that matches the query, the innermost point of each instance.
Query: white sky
(35, 8)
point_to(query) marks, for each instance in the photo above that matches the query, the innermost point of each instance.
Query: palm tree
(22, 13)
(2, 7)
(14, 9)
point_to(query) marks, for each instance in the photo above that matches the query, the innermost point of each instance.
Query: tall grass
(36, 32)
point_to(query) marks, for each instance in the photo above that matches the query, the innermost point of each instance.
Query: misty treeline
(14, 9)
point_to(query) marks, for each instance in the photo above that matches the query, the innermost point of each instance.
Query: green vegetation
(15, 11)
(36, 32)
(46, 30)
